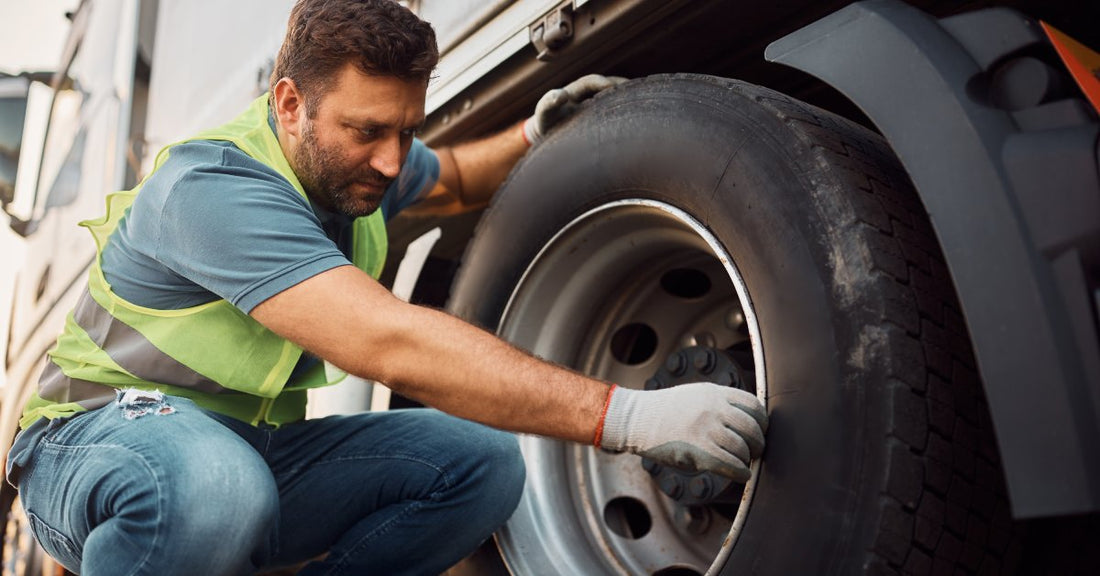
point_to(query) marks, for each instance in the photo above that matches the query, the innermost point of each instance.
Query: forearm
(446, 363)
(473, 171)
(433, 357)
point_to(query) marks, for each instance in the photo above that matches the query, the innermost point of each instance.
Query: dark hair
(380, 37)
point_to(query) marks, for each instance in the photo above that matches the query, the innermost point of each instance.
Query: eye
(410, 133)
(369, 133)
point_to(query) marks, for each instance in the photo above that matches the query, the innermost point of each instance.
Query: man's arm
(470, 173)
(347, 318)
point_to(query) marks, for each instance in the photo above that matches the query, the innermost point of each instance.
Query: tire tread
(945, 509)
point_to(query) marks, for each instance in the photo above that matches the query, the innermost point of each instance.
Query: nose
(387, 157)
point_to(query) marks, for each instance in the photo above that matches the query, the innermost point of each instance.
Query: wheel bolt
(704, 361)
(700, 487)
(696, 519)
(706, 339)
(734, 319)
(672, 485)
(676, 364)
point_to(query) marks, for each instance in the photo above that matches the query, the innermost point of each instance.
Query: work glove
(696, 427)
(560, 103)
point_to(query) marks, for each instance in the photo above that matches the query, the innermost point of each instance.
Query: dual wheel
(681, 218)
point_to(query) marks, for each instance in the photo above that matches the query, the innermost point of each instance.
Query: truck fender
(1005, 162)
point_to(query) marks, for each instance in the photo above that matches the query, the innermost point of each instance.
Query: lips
(373, 183)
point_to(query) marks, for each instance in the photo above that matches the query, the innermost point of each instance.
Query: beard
(327, 182)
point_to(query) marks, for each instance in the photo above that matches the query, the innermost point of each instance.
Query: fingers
(736, 471)
(746, 427)
(745, 417)
(731, 440)
(551, 100)
(722, 461)
(587, 86)
(696, 459)
(749, 404)
(558, 104)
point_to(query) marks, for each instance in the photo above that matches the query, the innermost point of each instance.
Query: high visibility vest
(213, 353)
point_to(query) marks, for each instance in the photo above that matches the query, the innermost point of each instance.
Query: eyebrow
(368, 123)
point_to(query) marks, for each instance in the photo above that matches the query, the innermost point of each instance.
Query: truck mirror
(24, 113)
(13, 114)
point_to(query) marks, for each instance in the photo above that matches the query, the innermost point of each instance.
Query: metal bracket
(553, 31)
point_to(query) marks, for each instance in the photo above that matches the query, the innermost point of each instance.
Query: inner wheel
(634, 291)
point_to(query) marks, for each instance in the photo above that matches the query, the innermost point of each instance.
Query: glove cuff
(531, 133)
(616, 419)
(603, 414)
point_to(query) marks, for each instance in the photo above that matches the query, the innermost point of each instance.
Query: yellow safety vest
(213, 353)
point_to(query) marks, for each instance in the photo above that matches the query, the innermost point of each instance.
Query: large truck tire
(689, 227)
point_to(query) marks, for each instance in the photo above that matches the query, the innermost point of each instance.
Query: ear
(289, 106)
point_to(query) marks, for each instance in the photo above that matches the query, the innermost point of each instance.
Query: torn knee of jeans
(136, 403)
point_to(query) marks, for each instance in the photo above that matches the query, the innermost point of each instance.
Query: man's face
(357, 140)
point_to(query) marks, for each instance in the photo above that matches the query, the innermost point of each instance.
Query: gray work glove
(697, 427)
(560, 103)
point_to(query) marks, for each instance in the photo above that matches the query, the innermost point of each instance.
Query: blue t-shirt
(214, 223)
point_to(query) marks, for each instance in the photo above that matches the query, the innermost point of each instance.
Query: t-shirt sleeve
(241, 231)
(417, 178)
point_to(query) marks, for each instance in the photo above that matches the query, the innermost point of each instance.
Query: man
(168, 437)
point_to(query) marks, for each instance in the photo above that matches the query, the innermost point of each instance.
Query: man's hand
(699, 426)
(557, 105)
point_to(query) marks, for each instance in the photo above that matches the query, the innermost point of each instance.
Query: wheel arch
(1019, 265)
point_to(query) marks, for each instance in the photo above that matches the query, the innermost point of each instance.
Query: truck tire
(681, 217)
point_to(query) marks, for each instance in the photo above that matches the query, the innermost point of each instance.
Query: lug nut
(672, 485)
(700, 487)
(676, 364)
(704, 361)
(706, 339)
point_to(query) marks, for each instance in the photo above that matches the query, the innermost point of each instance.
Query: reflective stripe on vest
(55, 386)
(133, 352)
(212, 353)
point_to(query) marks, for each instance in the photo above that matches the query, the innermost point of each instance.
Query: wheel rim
(613, 294)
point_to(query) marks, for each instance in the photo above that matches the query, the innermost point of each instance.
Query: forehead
(355, 95)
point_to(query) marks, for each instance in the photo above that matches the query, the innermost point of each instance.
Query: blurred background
(34, 34)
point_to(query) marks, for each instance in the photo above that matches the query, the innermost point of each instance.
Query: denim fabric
(193, 492)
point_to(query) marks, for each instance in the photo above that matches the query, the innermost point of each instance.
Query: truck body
(996, 137)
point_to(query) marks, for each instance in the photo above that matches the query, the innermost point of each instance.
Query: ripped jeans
(174, 489)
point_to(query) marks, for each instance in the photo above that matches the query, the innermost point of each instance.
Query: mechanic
(168, 434)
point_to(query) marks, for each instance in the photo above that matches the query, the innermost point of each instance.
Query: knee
(195, 509)
(213, 496)
(501, 472)
(222, 492)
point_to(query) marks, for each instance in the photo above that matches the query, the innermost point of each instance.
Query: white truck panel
(203, 79)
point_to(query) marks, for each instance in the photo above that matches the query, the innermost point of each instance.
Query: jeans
(197, 493)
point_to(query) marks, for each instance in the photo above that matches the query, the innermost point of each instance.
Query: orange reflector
(1083, 63)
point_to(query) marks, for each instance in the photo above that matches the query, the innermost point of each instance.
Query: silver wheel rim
(602, 280)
